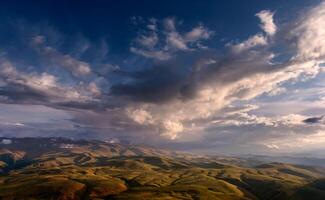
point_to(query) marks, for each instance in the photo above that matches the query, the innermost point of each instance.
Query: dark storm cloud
(22, 94)
(181, 79)
(159, 83)
(313, 120)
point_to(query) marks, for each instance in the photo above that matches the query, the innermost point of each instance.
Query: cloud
(298, 143)
(272, 146)
(277, 91)
(149, 38)
(258, 40)
(40, 88)
(140, 116)
(280, 133)
(160, 55)
(188, 94)
(12, 124)
(93, 88)
(243, 116)
(198, 33)
(176, 96)
(76, 67)
(6, 141)
(253, 41)
(310, 35)
(164, 43)
(169, 24)
(148, 41)
(175, 41)
(197, 94)
(171, 128)
(267, 23)
(313, 120)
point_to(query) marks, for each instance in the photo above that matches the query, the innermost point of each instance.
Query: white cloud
(243, 116)
(6, 141)
(212, 99)
(171, 129)
(44, 84)
(140, 116)
(246, 76)
(267, 23)
(18, 124)
(311, 34)
(298, 143)
(253, 41)
(149, 41)
(272, 146)
(198, 33)
(175, 41)
(160, 55)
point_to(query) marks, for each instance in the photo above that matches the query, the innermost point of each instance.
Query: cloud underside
(191, 93)
(164, 94)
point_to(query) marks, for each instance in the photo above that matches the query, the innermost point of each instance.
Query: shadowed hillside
(57, 168)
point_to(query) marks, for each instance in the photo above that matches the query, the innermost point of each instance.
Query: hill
(59, 168)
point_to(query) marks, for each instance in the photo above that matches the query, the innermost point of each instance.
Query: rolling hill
(59, 168)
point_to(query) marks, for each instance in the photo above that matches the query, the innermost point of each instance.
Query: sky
(209, 76)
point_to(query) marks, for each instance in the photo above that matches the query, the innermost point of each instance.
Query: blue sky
(208, 76)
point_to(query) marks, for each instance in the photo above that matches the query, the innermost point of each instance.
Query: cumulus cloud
(140, 116)
(219, 87)
(171, 128)
(39, 88)
(240, 75)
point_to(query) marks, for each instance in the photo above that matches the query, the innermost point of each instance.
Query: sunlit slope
(64, 169)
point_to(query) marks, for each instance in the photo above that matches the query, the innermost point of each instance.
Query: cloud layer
(185, 91)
